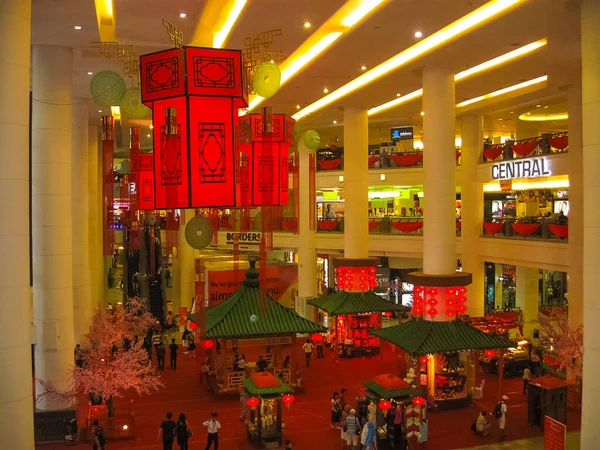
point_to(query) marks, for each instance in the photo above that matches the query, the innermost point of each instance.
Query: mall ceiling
(386, 31)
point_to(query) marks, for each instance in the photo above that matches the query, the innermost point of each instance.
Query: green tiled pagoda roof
(274, 390)
(391, 393)
(240, 316)
(344, 302)
(422, 337)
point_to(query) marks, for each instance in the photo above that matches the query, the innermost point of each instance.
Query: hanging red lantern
(418, 401)
(287, 400)
(384, 405)
(418, 300)
(252, 402)
(387, 314)
(450, 291)
(461, 308)
(208, 344)
(418, 289)
(432, 291)
(432, 312)
(193, 326)
(372, 270)
(489, 353)
(418, 310)
(424, 359)
(461, 290)
(461, 299)
(317, 337)
(450, 312)
(432, 301)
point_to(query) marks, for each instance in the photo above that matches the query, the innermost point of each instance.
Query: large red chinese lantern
(195, 94)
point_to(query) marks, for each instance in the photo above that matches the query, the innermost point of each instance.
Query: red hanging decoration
(317, 337)
(418, 401)
(489, 353)
(424, 359)
(208, 344)
(385, 406)
(252, 402)
(287, 400)
(108, 182)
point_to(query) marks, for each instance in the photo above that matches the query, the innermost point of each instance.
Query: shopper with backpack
(500, 414)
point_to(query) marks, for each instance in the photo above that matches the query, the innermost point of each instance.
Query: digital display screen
(401, 133)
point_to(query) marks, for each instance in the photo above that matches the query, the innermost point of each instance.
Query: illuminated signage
(521, 168)
(244, 238)
(401, 133)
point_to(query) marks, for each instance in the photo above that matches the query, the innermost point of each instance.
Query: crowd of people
(171, 432)
(357, 425)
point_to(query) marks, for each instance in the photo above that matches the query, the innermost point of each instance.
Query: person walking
(167, 432)
(308, 348)
(526, 379)
(161, 353)
(173, 347)
(345, 413)
(78, 353)
(191, 345)
(500, 411)
(99, 436)
(183, 432)
(320, 349)
(336, 411)
(352, 429)
(262, 364)
(213, 427)
(367, 438)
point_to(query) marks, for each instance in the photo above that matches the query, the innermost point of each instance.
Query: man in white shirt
(482, 425)
(308, 348)
(502, 418)
(329, 213)
(526, 379)
(213, 426)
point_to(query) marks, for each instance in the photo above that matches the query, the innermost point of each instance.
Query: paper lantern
(312, 139)
(432, 312)
(418, 310)
(208, 344)
(418, 289)
(194, 94)
(267, 79)
(489, 353)
(287, 400)
(461, 308)
(388, 314)
(424, 359)
(432, 291)
(418, 401)
(252, 402)
(317, 337)
(193, 326)
(461, 290)
(264, 166)
(384, 405)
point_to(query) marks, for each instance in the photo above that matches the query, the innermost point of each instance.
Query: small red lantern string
(432, 302)
(387, 314)
(418, 300)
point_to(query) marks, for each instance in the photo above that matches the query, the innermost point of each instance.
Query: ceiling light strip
(521, 51)
(506, 90)
(235, 11)
(106, 20)
(452, 31)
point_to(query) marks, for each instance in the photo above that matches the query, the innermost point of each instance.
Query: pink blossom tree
(566, 341)
(107, 369)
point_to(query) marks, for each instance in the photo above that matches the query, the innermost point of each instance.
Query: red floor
(308, 418)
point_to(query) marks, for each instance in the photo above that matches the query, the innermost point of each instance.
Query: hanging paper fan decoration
(108, 88)
(132, 104)
(199, 232)
(312, 139)
(297, 133)
(267, 79)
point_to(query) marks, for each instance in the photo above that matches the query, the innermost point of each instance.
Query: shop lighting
(77, 27)
(384, 194)
(446, 34)
(307, 25)
(234, 13)
(502, 59)
(543, 117)
(506, 90)
(522, 186)
(183, 15)
(382, 177)
(341, 178)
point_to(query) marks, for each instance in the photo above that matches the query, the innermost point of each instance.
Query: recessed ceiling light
(297, 106)
(422, 113)
(307, 25)
(99, 110)
(335, 121)
(90, 73)
(148, 135)
(272, 60)
(418, 34)
(325, 90)
(512, 112)
(398, 94)
(538, 106)
(500, 120)
(528, 114)
(77, 27)
(182, 15)
(363, 67)
(545, 106)
(151, 126)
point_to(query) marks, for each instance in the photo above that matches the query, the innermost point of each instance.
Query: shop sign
(555, 434)
(401, 133)
(243, 238)
(521, 168)
(382, 278)
(281, 340)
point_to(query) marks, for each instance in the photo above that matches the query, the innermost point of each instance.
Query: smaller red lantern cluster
(425, 300)
(418, 300)
(288, 399)
(356, 279)
(432, 302)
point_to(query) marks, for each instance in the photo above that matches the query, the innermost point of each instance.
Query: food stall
(251, 323)
(265, 395)
(446, 356)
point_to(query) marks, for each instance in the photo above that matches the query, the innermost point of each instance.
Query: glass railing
(527, 228)
(546, 144)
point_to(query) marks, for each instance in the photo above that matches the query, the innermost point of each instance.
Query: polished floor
(308, 418)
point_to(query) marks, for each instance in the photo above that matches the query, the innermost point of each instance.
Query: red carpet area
(308, 418)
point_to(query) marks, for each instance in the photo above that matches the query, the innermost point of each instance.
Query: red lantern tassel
(108, 151)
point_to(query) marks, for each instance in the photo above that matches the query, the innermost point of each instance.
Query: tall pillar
(15, 332)
(97, 280)
(439, 162)
(307, 252)
(528, 288)
(472, 209)
(590, 80)
(575, 252)
(52, 216)
(82, 291)
(186, 262)
(356, 183)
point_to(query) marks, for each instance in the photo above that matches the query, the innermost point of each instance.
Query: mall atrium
(389, 200)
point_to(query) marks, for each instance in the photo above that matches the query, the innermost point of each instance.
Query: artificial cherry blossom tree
(567, 342)
(110, 370)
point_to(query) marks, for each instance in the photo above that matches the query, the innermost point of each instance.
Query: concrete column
(186, 263)
(439, 161)
(575, 281)
(472, 210)
(97, 280)
(590, 80)
(528, 297)
(82, 291)
(356, 183)
(498, 286)
(52, 215)
(15, 332)
(307, 252)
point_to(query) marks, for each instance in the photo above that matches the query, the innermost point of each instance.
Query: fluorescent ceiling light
(506, 90)
(221, 35)
(383, 194)
(521, 51)
(452, 31)
(365, 8)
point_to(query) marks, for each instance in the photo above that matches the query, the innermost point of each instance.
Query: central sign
(521, 168)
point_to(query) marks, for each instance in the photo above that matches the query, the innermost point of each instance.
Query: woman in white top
(336, 411)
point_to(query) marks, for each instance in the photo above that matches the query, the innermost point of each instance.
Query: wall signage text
(521, 168)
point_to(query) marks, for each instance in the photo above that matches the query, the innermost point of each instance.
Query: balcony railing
(546, 144)
(527, 228)
(405, 226)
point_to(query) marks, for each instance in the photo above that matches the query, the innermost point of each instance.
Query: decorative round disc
(132, 104)
(297, 133)
(199, 232)
(152, 219)
(312, 139)
(267, 79)
(108, 87)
